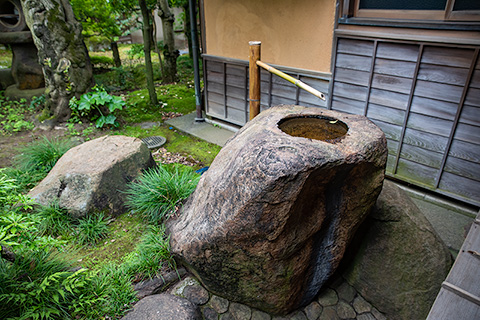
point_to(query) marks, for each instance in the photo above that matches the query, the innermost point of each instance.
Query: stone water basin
(270, 220)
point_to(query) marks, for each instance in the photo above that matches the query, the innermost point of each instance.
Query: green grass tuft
(152, 254)
(114, 284)
(54, 220)
(41, 285)
(159, 192)
(124, 234)
(42, 154)
(91, 229)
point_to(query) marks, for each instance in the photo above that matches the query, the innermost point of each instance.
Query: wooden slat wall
(226, 88)
(426, 98)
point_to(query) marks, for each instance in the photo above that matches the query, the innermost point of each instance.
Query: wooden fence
(226, 89)
(424, 96)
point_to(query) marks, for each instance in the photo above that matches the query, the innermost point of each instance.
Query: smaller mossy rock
(164, 307)
(401, 262)
(94, 175)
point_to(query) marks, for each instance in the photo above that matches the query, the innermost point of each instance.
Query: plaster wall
(293, 33)
(179, 35)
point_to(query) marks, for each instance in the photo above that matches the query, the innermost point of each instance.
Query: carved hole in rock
(9, 14)
(314, 127)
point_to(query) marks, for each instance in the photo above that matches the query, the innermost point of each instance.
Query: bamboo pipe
(291, 79)
(254, 76)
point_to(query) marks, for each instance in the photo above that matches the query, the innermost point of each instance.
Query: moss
(124, 234)
(172, 98)
(200, 150)
(102, 61)
(139, 108)
(425, 179)
(45, 115)
(177, 142)
(178, 98)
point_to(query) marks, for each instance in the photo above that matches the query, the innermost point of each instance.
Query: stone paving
(338, 301)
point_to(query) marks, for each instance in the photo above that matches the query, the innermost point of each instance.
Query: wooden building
(411, 67)
(459, 296)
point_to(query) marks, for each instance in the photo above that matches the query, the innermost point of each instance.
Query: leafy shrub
(91, 229)
(9, 196)
(91, 105)
(24, 180)
(6, 57)
(38, 102)
(94, 43)
(159, 192)
(18, 229)
(31, 286)
(38, 282)
(136, 51)
(54, 220)
(42, 155)
(12, 116)
(185, 69)
(120, 78)
(42, 285)
(184, 61)
(151, 255)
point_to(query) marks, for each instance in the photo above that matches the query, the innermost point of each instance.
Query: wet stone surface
(313, 310)
(285, 208)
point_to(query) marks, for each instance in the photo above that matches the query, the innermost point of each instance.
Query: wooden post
(254, 75)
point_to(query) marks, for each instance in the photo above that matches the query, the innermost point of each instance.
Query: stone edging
(338, 301)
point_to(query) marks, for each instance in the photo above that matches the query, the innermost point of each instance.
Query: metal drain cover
(154, 142)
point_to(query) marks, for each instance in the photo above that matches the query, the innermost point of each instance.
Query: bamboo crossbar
(255, 63)
(291, 79)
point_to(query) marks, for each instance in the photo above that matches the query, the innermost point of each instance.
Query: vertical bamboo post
(254, 75)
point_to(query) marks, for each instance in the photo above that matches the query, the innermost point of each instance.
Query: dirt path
(10, 144)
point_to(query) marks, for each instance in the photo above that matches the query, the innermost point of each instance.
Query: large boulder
(401, 262)
(270, 220)
(93, 175)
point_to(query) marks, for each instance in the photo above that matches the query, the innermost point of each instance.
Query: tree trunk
(61, 52)
(147, 49)
(186, 28)
(169, 53)
(116, 54)
(155, 43)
